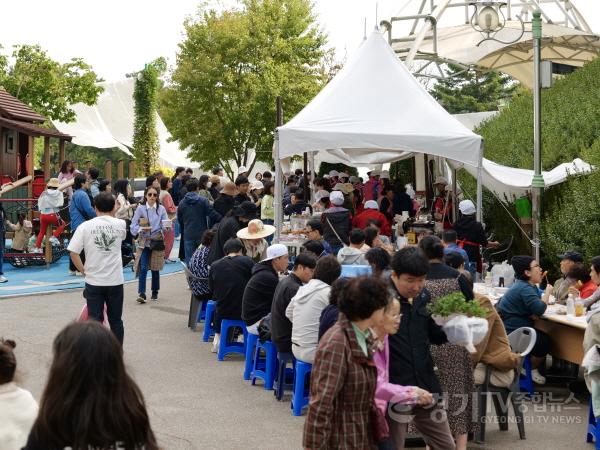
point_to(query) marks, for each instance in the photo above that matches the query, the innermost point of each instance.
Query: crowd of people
(381, 366)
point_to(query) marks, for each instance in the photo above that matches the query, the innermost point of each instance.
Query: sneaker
(537, 377)
(3, 279)
(215, 344)
(154, 296)
(141, 299)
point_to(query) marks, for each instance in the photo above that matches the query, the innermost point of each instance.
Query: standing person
(371, 212)
(267, 207)
(471, 233)
(227, 280)
(18, 408)
(256, 192)
(267, 177)
(450, 245)
(152, 180)
(305, 308)
(215, 186)
(66, 173)
(49, 204)
(177, 184)
(105, 186)
(372, 186)
(442, 204)
(195, 215)
(281, 327)
(386, 204)
(337, 223)
(148, 225)
(80, 210)
(455, 371)
(124, 209)
(243, 185)
(100, 238)
(203, 189)
(344, 377)
(166, 200)
(228, 228)
(89, 400)
(258, 176)
(402, 201)
(259, 292)
(410, 359)
(93, 183)
(225, 202)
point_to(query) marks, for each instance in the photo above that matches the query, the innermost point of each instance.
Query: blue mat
(32, 280)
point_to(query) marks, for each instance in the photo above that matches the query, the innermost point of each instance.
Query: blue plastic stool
(226, 346)
(593, 430)
(300, 396)
(264, 368)
(209, 330)
(526, 381)
(282, 373)
(250, 345)
(202, 312)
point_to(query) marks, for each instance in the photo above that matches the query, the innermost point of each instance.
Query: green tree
(469, 90)
(146, 146)
(49, 87)
(230, 69)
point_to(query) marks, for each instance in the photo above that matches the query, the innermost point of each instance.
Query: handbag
(379, 427)
(157, 244)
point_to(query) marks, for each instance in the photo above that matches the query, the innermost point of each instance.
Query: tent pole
(454, 195)
(311, 162)
(278, 175)
(480, 185)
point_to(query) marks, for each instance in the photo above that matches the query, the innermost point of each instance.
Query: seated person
(259, 292)
(227, 280)
(591, 302)
(560, 289)
(314, 232)
(373, 240)
(200, 268)
(315, 247)
(584, 287)
(330, 314)
(521, 304)
(297, 204)
(455, 260)
(371, 212)
(379, 260)
(305, 308)
(494, 350)
(355, 253)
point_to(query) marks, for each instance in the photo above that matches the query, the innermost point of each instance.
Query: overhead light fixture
(488, 18)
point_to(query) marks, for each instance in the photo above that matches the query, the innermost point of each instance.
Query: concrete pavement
(196, 402)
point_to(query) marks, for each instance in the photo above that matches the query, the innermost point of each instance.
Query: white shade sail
(374, 111)
(109, 124)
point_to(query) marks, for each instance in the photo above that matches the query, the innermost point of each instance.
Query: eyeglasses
(150, 194)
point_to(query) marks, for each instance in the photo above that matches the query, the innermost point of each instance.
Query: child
(18, 409)
(22, 229)
(49, 204)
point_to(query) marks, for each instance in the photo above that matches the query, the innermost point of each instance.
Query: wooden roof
(33, 129)
(14, 109)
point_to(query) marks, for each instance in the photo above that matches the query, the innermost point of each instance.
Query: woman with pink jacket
(387, 392)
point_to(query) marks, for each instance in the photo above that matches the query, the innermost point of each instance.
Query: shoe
(537, 377)
(141, 299)
(3, 279)
(178, 238)
(215, 344)
(170, 261)
(154, 296)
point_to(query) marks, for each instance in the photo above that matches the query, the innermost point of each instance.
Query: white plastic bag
(505, 271)
(465, 331)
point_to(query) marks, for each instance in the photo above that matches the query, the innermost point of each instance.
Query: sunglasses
(149, 194)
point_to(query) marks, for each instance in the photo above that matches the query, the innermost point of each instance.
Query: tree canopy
(231, 67)
(469, 90)
(48, 86)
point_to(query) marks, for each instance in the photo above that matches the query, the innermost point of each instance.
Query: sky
(119, 36)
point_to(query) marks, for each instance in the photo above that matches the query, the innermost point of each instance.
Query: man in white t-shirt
(100, 238)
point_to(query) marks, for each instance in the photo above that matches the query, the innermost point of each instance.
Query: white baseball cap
(467, 207)
(275, 251)
(343, 175)
(337, 198)
(371, 204)
(321, 194)
(334, 173)
(374, 173)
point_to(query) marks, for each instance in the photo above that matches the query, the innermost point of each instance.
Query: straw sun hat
(256, 229)
(53, 183)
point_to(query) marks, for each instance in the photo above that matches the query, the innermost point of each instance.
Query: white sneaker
(215, 344)
(3, 279)
(537, 377)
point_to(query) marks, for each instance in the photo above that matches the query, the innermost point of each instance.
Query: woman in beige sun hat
(253, 237)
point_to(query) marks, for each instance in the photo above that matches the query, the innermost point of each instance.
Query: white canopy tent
(374, 111)
(109, 123)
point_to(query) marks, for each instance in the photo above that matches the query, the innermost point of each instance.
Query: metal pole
(305, 176)
(479, 214)
(537, 183)
(278, 189)
(311, 163)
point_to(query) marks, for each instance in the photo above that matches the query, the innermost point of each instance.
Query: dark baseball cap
(572, 256)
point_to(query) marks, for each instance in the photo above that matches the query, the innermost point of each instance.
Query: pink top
(386, 391)
(64, 177)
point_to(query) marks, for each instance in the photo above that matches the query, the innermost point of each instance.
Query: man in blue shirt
(450, 245)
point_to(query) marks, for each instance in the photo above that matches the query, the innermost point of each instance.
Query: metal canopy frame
(424, 27)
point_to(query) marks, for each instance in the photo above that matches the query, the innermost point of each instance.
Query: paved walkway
(196, 402)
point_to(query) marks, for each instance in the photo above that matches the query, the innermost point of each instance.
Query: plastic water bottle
(570, 305)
